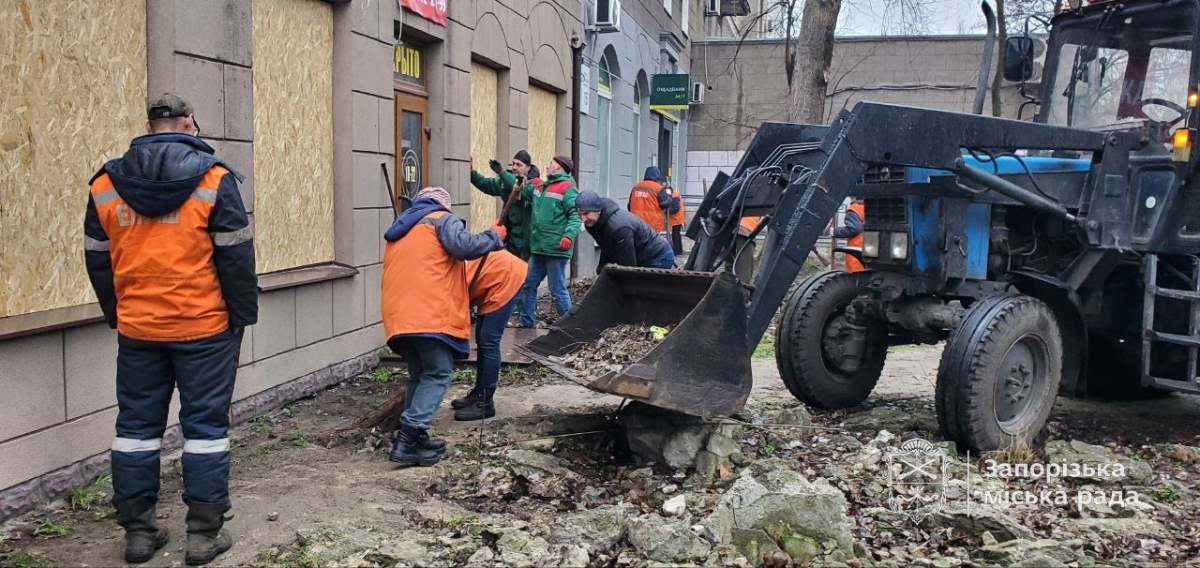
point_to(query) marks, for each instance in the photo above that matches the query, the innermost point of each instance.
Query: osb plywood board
(74, 76)
(484, 104)
(293, 133)
(543, 127)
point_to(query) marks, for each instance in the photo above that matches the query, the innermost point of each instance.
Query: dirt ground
(297, 467)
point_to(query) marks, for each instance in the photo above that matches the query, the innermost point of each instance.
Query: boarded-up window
(484, 105)
(293, 133)
(74, 76)
(543, 126)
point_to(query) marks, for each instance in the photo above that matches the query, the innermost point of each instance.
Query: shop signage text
(669, 92)
(432, 10)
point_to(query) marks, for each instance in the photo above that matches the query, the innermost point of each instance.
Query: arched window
(637, 131)
(604, 126)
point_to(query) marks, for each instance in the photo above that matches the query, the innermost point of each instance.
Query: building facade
(747, 86)
(334, 111)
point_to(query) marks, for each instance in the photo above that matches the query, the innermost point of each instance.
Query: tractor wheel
(999, 374)
(811, 341)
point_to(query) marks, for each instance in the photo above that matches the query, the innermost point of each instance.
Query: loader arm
(819, 180)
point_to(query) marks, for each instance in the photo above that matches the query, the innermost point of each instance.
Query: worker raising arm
(426, 318)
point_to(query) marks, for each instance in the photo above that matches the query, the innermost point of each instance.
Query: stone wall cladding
(28, 495)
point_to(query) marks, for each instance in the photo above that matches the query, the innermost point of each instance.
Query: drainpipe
(577, 45)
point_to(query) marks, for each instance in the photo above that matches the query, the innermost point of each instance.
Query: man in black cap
(508, 185)
(170, 254)
(624, 238)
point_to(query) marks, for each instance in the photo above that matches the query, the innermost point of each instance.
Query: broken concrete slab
(770, 496)
(666, 540)
(753, 543)
(1018, 550)
(1105, 466)
(975, 520)
(1119, 528)
(664, 437)
(519, 548)
(599, 528)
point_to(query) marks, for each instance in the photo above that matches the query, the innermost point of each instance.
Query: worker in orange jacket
(744, 249)
(493, 283)
(647, 200)
(676, 220)
(425, 308)
(170, 254)
(851, 230)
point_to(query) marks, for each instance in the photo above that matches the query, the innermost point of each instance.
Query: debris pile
(546, 314)
(617, 348)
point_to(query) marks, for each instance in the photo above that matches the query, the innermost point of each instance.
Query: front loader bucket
(701, 368)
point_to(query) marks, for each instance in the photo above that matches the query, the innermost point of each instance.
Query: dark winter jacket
(174, 283)
(452, 233)
(624, 239)
(520, 215)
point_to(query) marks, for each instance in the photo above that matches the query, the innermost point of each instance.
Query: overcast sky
(889, 17)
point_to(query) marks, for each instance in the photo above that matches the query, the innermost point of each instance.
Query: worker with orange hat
(426, 314)
(493, 285)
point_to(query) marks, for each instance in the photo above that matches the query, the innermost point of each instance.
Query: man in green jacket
(521, 172)
(555, 226)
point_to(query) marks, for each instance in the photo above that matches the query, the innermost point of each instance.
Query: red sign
(432, 10)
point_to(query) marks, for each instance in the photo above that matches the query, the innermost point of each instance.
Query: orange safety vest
(163, 271)
(643, 202)
(747, 225)
(497, 282)
(855, 242)
(424, 288)
(677, 217)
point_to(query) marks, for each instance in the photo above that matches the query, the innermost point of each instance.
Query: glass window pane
(603, 112)
(411, 139)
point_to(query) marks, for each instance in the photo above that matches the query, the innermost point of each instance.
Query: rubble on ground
(546, 312)
(616, 348)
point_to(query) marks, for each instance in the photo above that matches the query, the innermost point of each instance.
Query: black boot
(472, 397)
(430, 443)
(483, 408)
(205, 539)
(410, 450)
(142, 536)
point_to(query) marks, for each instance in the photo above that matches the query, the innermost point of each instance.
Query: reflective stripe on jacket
(163, 275)
(495, 284)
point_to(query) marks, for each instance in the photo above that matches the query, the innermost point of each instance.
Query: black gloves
(496, 167)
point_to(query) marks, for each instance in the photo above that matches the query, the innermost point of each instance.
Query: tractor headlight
(870, 245)
(899, 248)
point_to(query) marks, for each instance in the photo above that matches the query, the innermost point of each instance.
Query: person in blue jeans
(554, 229)
(425, 309)
(624, 238)
(494, 283)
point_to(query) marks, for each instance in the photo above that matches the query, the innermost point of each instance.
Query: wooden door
(412, 155)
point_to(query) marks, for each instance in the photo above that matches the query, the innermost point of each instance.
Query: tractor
(1052, 256)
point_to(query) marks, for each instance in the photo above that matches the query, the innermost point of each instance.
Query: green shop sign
(669, 92)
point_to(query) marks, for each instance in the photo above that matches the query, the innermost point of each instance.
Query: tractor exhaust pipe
(985, 67)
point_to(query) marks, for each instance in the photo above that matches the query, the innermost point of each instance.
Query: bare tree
(816, 45)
